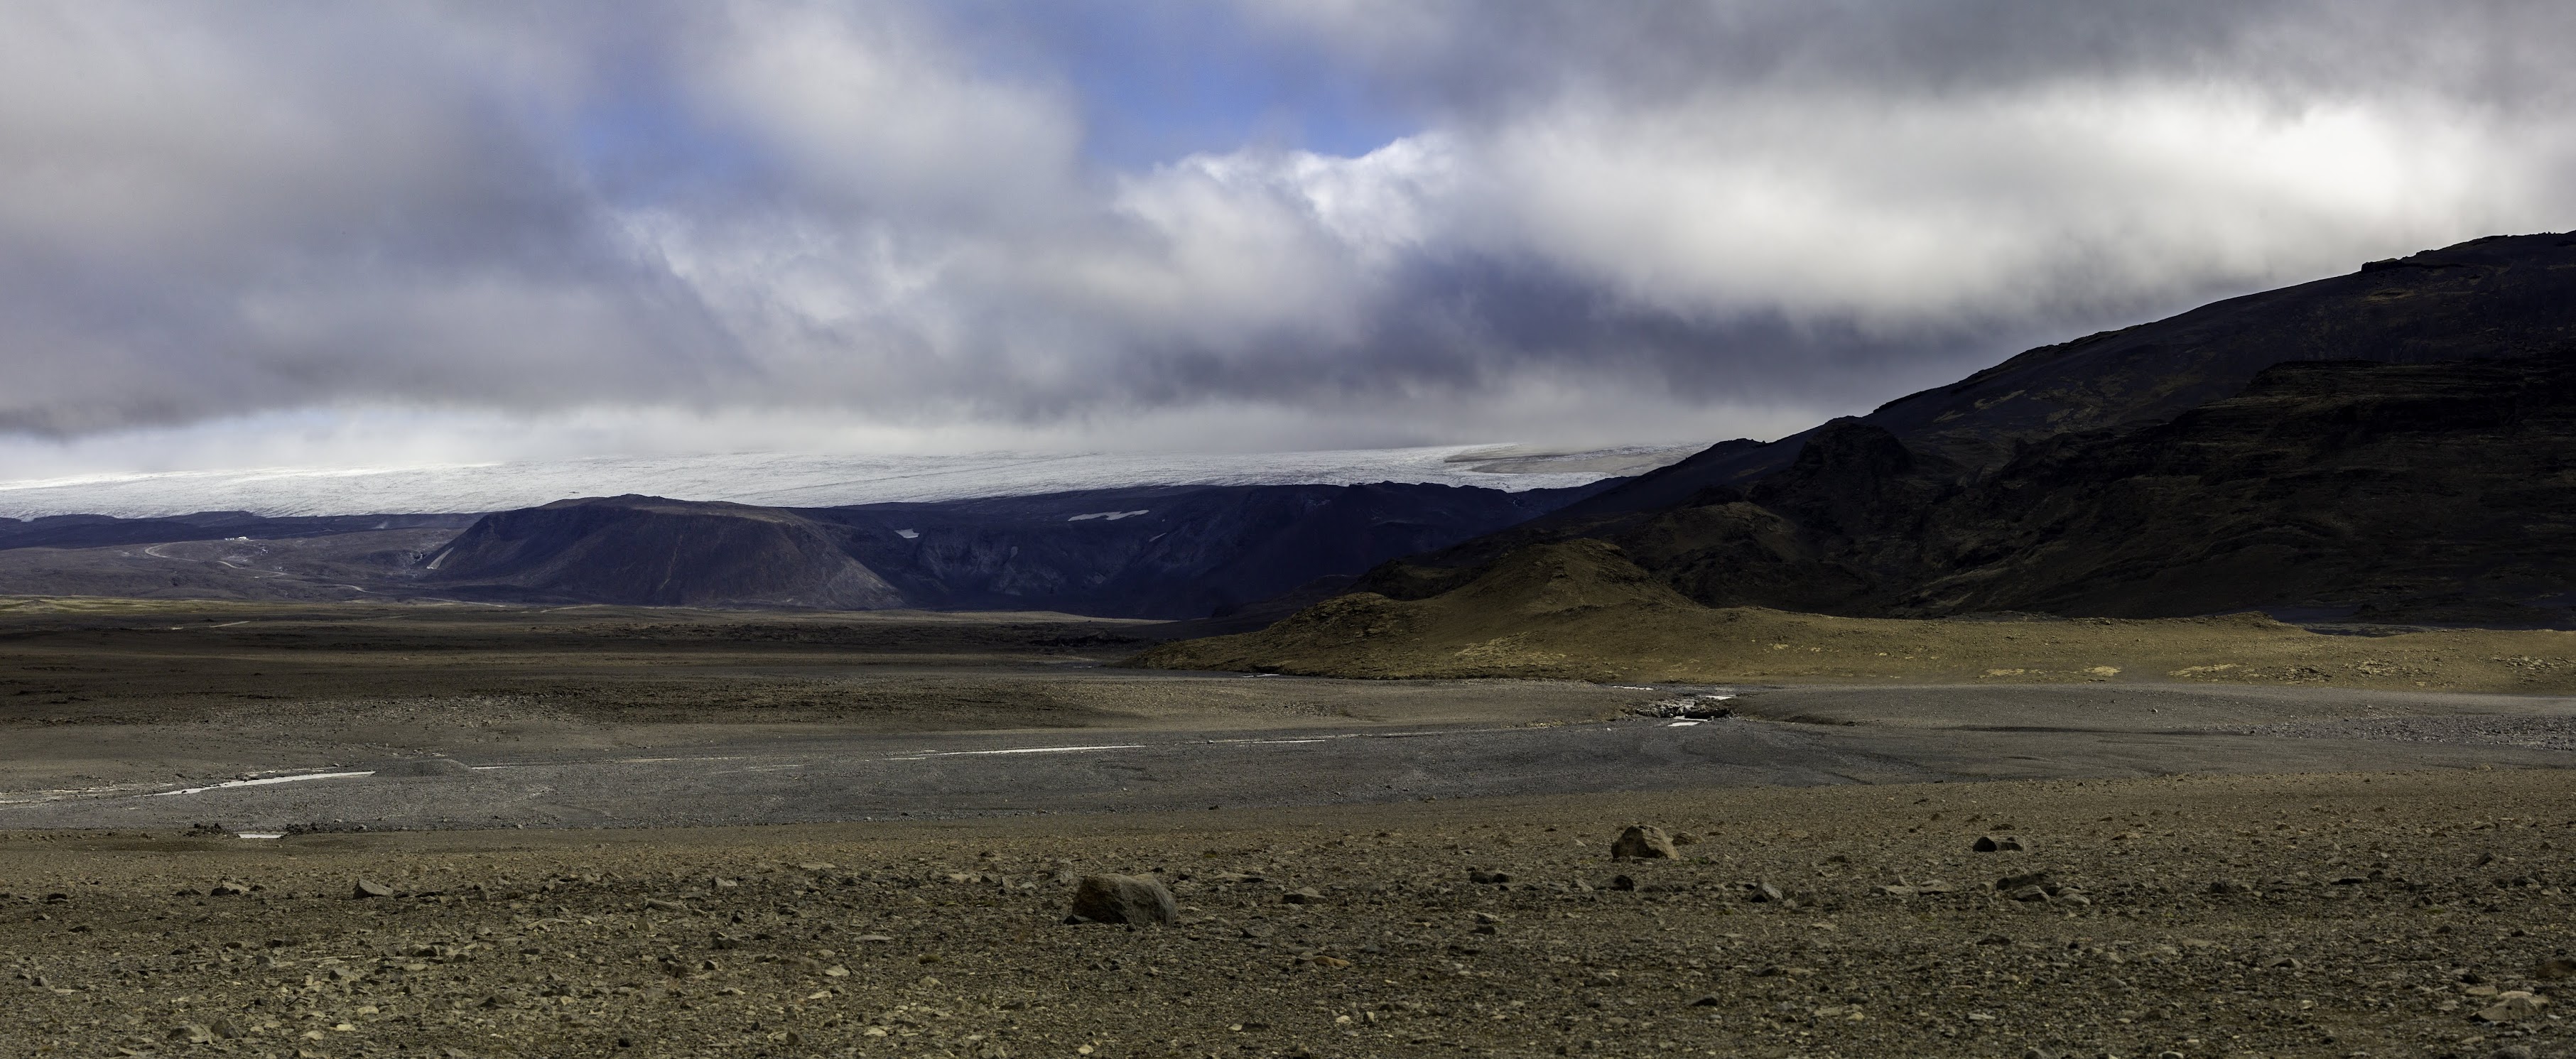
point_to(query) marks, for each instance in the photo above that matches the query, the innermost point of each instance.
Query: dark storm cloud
(1595, 216)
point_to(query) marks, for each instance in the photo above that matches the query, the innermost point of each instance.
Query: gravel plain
(2203, 869)
(2326, 915)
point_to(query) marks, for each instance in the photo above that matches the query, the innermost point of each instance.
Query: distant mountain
(646, 551)
(2398, 444)
(800, 480)
(1149, 553)
(1235, 538)
(91, 531)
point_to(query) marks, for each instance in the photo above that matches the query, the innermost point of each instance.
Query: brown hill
(1579, 610)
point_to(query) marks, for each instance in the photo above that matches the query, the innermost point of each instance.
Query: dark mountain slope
(2408, 492)
(1182, 552)
(2503, 297)
(1177, 552)
(653, 552)
(2391, 492)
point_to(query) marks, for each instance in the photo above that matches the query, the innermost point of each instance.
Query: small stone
(1302, 896)
(366, 888)
(2229, 886)
(1764, 893)
(2023, 879)
(2516, 1051)
(2283, 963)
(1643, 842)
(2555, 968)
(1132, 899)
(1709, 1001)
(1622, 882)
(1488, 878)
(192, 1033)
(2027, 893)
(1994, 939)
(227, 889)
(1999, 844)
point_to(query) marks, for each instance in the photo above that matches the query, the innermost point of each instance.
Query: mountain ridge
(2393, 446)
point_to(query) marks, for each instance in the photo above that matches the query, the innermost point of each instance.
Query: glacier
(796, 479)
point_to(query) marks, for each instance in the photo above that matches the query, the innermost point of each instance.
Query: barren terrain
(891, 809)
(2282, 916)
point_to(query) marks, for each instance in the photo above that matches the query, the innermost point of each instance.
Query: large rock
(1137, 900)
(1643, 842)
(2513, 1007)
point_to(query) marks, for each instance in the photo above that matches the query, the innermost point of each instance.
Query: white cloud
(577, 228)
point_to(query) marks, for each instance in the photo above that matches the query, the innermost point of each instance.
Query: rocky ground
(2387, 914)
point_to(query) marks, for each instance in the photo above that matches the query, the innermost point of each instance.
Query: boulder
(1136, 900)
(1643, 842)
(2513, 1006)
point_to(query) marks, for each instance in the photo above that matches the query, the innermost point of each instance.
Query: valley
(2198, 689)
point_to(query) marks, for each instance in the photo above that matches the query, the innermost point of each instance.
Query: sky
(312, 233)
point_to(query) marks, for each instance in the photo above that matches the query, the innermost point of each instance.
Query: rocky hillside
(2388, 446)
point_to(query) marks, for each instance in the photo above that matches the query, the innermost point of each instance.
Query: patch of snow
(908, 534)
(264, 781)
(1112, 516)
(778, 479)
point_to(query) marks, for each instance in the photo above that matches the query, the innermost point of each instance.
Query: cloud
(864, 222)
